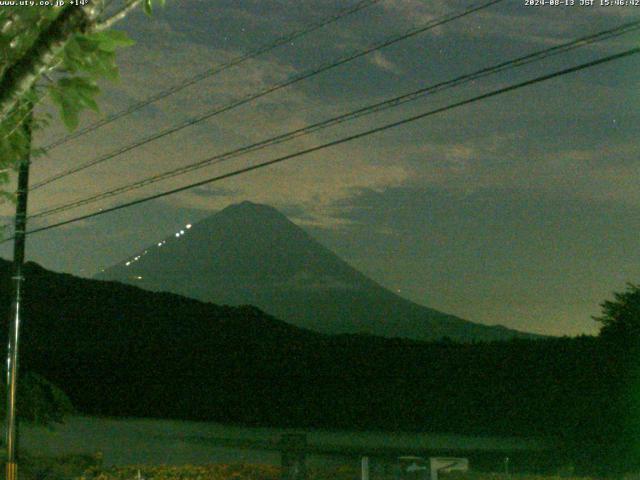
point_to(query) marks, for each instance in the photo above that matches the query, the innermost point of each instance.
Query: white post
(365, 468)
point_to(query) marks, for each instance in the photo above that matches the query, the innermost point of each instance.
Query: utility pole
(16, 306)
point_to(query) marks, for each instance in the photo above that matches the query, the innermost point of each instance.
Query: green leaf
(14, 139)
(88, 44)
(95, 53)
(38, 152)
(68, 112)
(84, 54)
(110, 40)
(72, 95)
(72, 56)
(85, 90)
(148, 5)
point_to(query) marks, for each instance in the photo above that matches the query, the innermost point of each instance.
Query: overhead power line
(350, 138)
(312, 27)
(254, 96)
(206, 74)
(370, 109)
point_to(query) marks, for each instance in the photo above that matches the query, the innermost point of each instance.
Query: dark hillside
(119, 350)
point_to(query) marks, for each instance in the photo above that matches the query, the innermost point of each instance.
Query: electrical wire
(282, 40)
(340, 141)
(254, 96)
(375, 108)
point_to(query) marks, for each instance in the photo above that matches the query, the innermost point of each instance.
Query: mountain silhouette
(119, 350)
(251, 254)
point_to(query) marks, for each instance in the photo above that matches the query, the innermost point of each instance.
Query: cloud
(314, 185)
(521, 180)
(381, 61)
(163, 58)
(416, 11)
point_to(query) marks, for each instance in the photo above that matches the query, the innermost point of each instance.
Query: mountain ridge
(252, 254)
(119, 350)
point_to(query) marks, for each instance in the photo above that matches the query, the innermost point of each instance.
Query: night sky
(522, 209)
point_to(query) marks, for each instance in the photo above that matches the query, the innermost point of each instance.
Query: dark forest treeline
(118, 350)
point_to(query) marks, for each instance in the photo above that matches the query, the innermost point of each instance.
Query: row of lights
(181, 232)
(178, 234)
(135, 259)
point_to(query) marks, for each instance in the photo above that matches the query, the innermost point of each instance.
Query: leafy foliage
(620, 318)
(40, 401)
(94, 56)
(87, 57)
(63, 467)
(620, 338)
(19, 29)
(148, 5)
(15, 141)
(72, 95)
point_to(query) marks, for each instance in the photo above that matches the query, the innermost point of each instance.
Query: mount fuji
(251, 254)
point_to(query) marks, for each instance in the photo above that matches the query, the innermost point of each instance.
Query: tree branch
(21, 76)
(8, 22)
(116, 17)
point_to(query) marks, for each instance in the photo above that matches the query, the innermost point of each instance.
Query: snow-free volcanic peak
(250, 253)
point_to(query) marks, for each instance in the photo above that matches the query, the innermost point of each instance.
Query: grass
(215, 472)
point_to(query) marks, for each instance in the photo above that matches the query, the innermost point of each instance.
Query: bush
(65, 467)
(39, 401)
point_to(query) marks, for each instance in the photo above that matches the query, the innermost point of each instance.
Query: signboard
(447, 464)
(413, 468)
